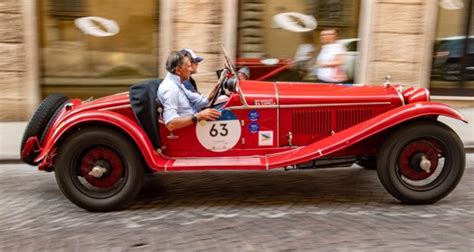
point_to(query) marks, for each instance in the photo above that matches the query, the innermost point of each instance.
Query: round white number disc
(220, 135)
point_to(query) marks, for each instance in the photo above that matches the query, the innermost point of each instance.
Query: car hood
(290, 93)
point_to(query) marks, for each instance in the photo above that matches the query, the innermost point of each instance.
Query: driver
(181, 106)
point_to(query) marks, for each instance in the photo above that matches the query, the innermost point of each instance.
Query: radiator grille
(312, 121)
(324, 121)
(347, 117)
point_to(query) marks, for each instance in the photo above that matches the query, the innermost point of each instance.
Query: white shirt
(178, 101)
(303, 51)
(329, 53)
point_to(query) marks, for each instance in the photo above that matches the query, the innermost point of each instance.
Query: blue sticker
(253, 127)
(253, 115)
(227, 115)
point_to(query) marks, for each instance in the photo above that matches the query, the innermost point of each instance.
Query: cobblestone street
(328, 209)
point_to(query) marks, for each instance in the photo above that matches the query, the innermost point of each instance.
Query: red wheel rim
(106, 158)
(411, 156)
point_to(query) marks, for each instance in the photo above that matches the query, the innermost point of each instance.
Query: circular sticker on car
(253, 115)
(253, 127)
(220, 135)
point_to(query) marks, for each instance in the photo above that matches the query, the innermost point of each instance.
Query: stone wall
(12, 62)
(399, 41)
(198, 24)
(396, 39)
(251, 28)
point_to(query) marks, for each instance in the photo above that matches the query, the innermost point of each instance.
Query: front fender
(361, 131)
(127, 125)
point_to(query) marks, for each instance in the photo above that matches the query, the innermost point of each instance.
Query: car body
(99, 149)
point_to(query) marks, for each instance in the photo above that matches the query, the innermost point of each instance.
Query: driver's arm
(181, 122)
(198, 101)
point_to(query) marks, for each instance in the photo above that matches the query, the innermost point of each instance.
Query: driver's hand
(208, 114)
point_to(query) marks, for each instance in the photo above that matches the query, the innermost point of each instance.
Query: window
(261, 38)
(67, 8)
(452, 70)
(83, 65)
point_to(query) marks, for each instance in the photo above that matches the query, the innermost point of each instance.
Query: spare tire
(41, 121)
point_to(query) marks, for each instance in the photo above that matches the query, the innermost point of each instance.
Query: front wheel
(421, 162)
(99, 169)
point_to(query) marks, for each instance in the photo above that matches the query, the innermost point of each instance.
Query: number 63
(223, 131)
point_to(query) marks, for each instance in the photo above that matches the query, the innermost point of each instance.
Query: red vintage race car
(100, 149)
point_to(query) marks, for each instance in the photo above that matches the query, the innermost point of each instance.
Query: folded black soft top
(144, 105)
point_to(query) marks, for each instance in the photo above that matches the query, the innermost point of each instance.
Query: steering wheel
(220, 87)
(229, 67)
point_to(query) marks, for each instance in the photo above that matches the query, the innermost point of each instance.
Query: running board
(217, 163)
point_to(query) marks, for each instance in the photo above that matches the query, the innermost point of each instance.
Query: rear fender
(128, 126)
(361, 131)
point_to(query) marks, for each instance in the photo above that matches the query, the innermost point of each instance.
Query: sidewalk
(12, 132)
(10, 139)
(465, 131)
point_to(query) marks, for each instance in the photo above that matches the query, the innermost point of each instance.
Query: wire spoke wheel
(100, 174)
(421, 162)
(99, 169)
(421, 165)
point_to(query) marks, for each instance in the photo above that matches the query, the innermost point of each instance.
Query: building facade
(44, 49)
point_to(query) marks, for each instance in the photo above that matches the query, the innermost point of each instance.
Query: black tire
(41, 121)
(103, 147)
(399, 162)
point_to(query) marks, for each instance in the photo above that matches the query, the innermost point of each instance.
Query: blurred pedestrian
(195, 60)
(330, 63)
(305, 57)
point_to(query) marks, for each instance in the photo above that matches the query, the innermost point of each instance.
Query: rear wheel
(421, 162)
(99, 169)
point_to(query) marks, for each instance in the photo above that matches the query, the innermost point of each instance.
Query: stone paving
(338, 209)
